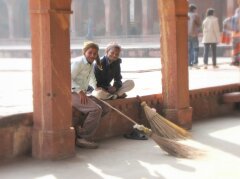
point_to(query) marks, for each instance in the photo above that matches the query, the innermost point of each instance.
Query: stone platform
(130, 50)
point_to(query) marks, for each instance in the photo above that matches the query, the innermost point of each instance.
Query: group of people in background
(231, 33)
(211, 36)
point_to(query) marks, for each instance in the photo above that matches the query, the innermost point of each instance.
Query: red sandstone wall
(16, 130)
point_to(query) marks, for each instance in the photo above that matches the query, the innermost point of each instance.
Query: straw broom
(170, 146)
(162, 126)
(175, 148)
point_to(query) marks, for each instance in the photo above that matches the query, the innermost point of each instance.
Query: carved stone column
(73, 19)
(10, 8)
(124, 16)
(111, 14)
(79, 17)
(147, 17)
(173, 20)
(53, 137)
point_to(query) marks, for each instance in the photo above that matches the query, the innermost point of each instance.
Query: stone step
(140, 50)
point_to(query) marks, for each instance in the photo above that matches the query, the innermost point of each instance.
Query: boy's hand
(112, 89)
(83, 97)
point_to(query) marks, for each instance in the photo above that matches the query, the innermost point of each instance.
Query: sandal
(136, 134)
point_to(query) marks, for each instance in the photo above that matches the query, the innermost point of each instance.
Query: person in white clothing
(82, 75)
(211, 36)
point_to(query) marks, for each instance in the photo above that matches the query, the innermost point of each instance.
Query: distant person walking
(231, 32)
(194, 23)
(211, 36)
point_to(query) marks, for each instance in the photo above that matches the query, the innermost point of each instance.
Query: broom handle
(118, 111)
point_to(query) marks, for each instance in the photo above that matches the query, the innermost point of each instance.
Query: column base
(182, 117)
(53, 144)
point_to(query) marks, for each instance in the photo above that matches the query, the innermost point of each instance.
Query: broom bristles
(180, 130)
(176, 149)
(162, 126)
(172, 147)
(165, 131)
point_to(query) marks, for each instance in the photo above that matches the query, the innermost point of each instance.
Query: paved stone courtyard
(16, 79)
(120, 158)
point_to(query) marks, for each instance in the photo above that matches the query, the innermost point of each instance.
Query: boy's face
(91, 54)
(113, 54)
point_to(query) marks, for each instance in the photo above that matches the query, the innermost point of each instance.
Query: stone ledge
(231, 97)
(16, 130)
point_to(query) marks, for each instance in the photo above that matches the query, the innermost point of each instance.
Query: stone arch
(51, 74)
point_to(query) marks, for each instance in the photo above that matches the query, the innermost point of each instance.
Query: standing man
(211, 36)
(194, 23)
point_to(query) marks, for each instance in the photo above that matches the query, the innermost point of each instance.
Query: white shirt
(211, 32)
(82, 74)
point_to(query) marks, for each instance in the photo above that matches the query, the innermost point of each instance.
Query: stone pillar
(73, 18)
(110, 17)
(136, 22)
(10, 8)
(147, 17)
(124, 16)
(79, 18)
(53, 137)
(91, 20)
(173, 20)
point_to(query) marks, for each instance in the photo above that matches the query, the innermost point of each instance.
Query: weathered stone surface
(16, 130)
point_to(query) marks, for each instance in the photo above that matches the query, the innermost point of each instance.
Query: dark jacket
(108, 73)
(194, 24)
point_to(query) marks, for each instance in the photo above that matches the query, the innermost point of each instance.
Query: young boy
(109, 71)
(82, 75)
